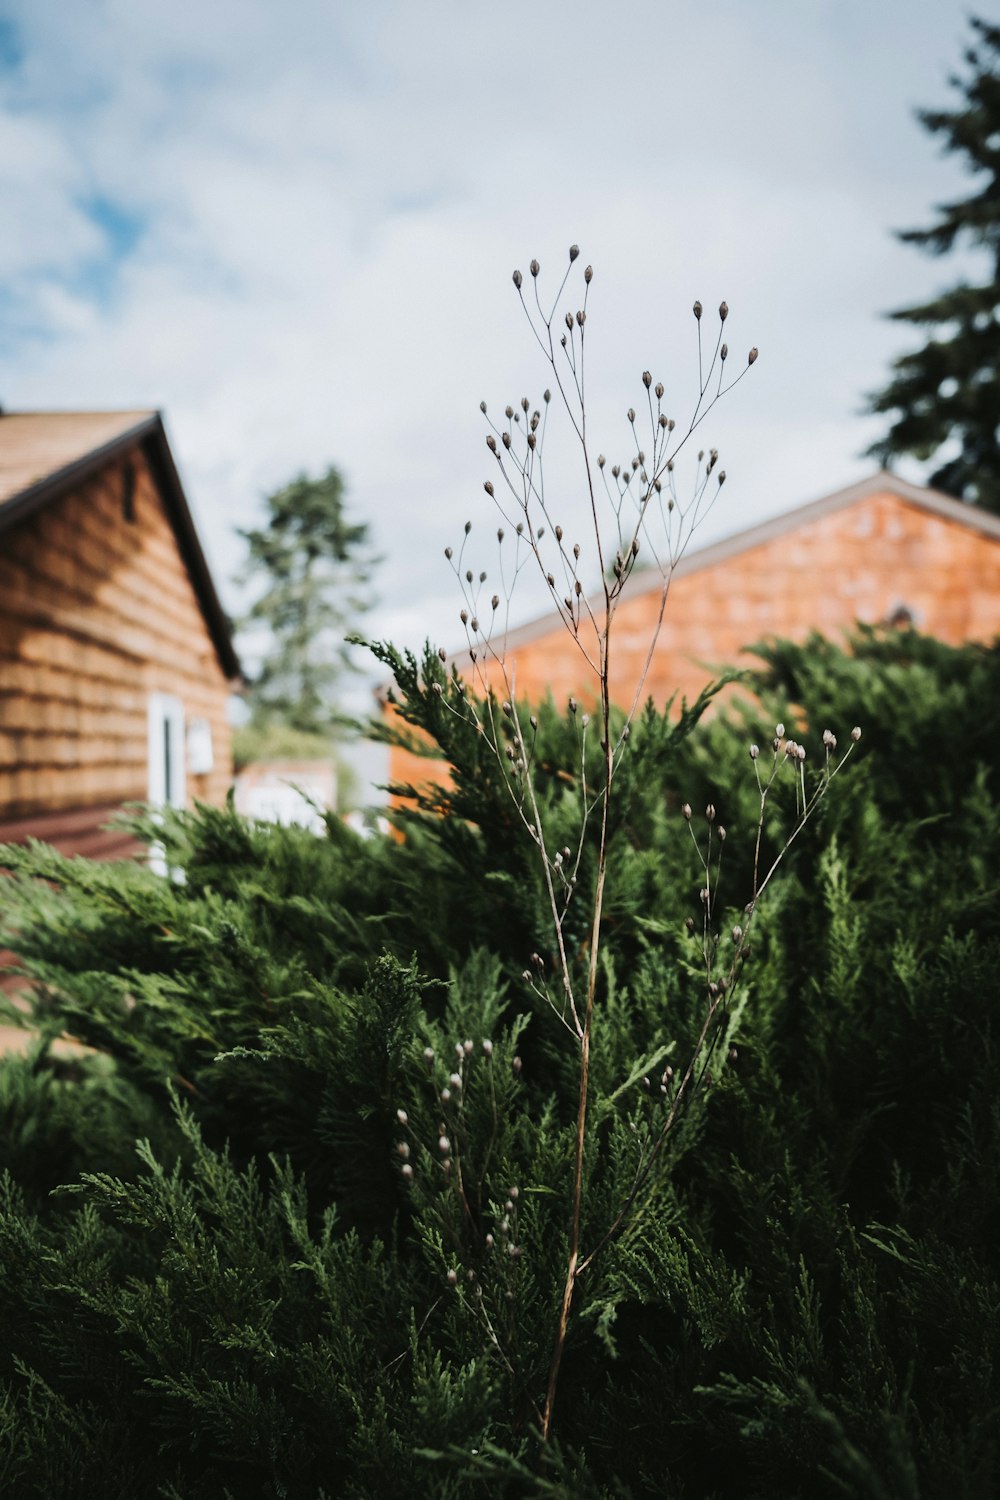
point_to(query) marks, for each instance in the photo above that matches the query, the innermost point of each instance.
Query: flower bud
(710, 812)
(517, 279)
(686, 811)
(574, 251)
(723, 311)
(488, 487)
(779, 730)
(856, 733)
(444, 1145)
(697, 311)
(487, 1047)
(588, 275)
(452, 1278)
(402, 1116)
(516, 1066)
(428, 1055)
(647, 379)
(631, 414)
(751, 357)
(406, 1172)
(659, 391)
(754, 751)
(534, 268)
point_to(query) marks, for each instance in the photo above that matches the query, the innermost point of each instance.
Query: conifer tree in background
(315, 566)
(948, 392)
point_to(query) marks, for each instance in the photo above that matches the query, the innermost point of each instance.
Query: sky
(292, 229)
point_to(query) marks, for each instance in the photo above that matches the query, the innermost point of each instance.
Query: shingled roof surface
(36, 446)
(45, 454)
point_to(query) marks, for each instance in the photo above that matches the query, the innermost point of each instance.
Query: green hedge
(263, 1301)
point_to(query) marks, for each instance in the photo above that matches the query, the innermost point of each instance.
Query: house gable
(106, 607)
(880, 549)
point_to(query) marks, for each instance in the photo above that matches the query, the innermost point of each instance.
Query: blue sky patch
(11, 51)
(121, 227)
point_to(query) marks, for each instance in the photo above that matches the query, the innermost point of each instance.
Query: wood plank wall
(97, 612)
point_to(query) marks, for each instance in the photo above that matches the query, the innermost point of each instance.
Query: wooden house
(882, 551)
(116, 658)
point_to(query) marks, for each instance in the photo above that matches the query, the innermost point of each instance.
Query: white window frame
(167, 783)
(166, 760)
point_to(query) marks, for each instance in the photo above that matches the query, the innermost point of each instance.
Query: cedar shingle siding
(880, 550)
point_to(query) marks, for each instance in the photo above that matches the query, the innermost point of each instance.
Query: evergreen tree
(947, 393)
(315, 569)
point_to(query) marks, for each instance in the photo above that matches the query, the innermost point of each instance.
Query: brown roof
(34, 445)
(45, 454)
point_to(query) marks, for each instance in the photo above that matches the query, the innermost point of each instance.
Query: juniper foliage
(294, 1288)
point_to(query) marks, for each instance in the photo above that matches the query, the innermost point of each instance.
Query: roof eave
(150, 435)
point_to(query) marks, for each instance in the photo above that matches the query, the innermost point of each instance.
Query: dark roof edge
(161, 461)
(150, 435)
(58, 483)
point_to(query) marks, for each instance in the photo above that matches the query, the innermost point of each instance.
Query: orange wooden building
(116, 658)
(880, 551)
